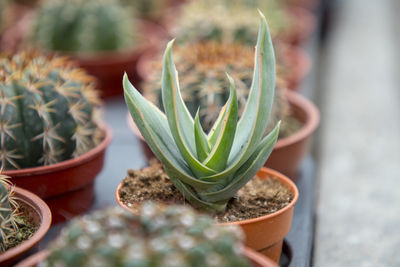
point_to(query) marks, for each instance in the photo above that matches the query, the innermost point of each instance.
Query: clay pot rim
(269, 172)
(15, 174)
(36, 203)
(309, 126)
(252, 255)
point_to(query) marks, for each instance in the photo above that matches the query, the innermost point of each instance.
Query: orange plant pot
(304, 24)
(35, 209)
(289, 152)
(256, 259)
(67, 186)
(264, 234)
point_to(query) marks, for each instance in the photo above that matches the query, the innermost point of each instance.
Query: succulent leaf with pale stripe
(210, 169)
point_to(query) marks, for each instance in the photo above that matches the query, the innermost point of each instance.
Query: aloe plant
(208, 169)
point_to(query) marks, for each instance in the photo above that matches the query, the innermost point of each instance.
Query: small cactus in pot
(83, 26)
(157, 236)
(208, 169)
(49, 110)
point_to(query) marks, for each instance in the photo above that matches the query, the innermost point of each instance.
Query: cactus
(227, 21)
(83, 26)
(147, 9)
(157, 236)
(202, 68)
(208, 169)
(48, 110)
(8, 210)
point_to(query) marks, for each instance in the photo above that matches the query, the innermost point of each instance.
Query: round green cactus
(8, 205)
(157, 236)
(48, 111)
(227, 20)
(202, 68)
(83, 26)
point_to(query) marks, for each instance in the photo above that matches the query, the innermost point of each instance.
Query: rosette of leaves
(202, 68)
(49, 110)
(83, 26)
(208, 169)
(158, 236)
(202, 20)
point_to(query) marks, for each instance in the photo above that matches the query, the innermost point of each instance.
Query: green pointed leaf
(217, 158)
(202, 147)
(247, 171)
(214, 132)
(154, 128)
(180, 122)
(253, 122)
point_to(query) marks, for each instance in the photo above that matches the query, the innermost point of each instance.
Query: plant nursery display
(100, 34)
(157, 236)
(209, 169)
(49, 118)
(24, 220)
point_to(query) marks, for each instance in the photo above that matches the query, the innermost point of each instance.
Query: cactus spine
(8, 209)
(158, 236)
(83, 26)
(47, 111)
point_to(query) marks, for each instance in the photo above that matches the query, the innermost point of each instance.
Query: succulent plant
(202, 20)
(147, 9)
(8, 210)
(83, 26)
(208, 169)
(158, 236)
(48, 110)
(202, 68)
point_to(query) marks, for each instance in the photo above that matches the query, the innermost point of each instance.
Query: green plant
(8, 210)
(158, 236)
(209, 169)
(48, 110)
(202, 20)
(83, 26)
(202, 68)
(148, 9)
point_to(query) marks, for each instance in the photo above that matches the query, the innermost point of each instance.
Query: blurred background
(338, 57)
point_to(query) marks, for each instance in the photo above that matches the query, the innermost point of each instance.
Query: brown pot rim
(41, 207)
(252, 255)
(69, 163)
(289, 183)
(309, 126)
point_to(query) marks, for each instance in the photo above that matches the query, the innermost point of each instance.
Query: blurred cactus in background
(48, 110)
(84, 26)
(147, 9)
(202, 77)
(158, 236)
(227, 20)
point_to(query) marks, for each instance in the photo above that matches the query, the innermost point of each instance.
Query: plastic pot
(35, 209)
(67, 186)
(264, 234)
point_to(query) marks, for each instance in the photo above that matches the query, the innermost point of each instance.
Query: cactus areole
(209, 168)
(47, 111)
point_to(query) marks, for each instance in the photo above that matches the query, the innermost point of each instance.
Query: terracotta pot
(298, 63)
(109, 67)
(288, 152)
(256, 259)
(34, 208)
(303, 23)
(264, 234)
(67, 186)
